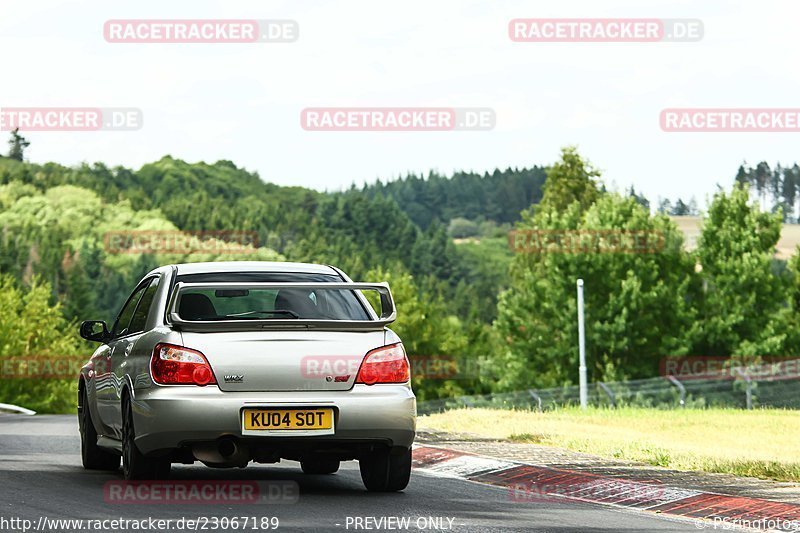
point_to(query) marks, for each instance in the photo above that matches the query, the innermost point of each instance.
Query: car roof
(253, 266)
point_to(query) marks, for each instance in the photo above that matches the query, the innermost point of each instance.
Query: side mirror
(89, 331)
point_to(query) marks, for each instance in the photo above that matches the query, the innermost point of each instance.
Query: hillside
(354, 229)
(498, 196)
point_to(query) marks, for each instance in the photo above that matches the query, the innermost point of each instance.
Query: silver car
(228, 363)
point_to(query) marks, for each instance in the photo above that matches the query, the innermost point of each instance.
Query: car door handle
(128, 349)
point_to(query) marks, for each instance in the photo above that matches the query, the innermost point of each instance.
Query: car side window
(139, 319)
(121, 325)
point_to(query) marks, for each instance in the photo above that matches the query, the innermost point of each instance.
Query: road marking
(468, 465)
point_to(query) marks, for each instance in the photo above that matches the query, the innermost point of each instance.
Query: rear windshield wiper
(272, 312)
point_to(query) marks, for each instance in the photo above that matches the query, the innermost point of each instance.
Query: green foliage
(461, 228)
(741, 297)
(17, 145)
(61, 235)
(499, 196)
(728, 298)
(634, 302)
(778, 189)
(570, 180)
(427, 326)
(353, 230)
(486, 272)
(33, 333)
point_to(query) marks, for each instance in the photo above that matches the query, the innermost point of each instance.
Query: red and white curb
(529, 483)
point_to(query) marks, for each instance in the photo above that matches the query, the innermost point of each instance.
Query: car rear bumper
(174, 416)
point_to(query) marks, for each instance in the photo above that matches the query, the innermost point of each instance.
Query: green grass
(760, 443)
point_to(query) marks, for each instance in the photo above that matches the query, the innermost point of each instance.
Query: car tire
(386, 470)
(320, 466)
(93, 456)
(135, 465)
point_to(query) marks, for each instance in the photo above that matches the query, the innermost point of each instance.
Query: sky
(242, 102)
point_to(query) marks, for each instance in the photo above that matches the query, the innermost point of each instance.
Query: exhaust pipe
(227, 448)
(224, 452)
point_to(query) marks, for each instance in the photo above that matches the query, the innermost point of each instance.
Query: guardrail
(737, 387)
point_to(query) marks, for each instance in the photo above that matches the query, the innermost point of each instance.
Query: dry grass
(761, 443)
(786, 247)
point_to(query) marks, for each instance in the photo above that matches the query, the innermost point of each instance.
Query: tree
(664, 206)
(743, 177)
(79, 295)
(761, 176)
(17, 144)
(791, 179)
(693, 210)
(572, 179)
(427, 326)
(680, 209)
(640, 198)
(776, 189)
(636, 312)
(741, 295)
(37, 341)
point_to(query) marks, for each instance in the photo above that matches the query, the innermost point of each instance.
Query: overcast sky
(243, 101)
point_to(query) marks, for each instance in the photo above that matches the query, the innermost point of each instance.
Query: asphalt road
(41, 476)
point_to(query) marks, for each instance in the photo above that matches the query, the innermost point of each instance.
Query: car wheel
(386, 470)
(135, 465)
(319, 466)
(93, 457)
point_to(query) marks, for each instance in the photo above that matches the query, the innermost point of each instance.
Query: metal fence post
(609, 393)
(582, 349)
(748, 387)
(537, 398)
(681, 389)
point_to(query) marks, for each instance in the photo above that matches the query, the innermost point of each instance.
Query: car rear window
(219, 304)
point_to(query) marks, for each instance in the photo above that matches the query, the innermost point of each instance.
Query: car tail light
(385, 365)
(176, 365)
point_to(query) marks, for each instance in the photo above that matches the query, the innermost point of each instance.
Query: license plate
(287, 419)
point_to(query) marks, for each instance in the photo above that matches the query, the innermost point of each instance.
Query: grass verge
(759, 443)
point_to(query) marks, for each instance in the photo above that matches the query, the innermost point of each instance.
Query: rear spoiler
(388, 311)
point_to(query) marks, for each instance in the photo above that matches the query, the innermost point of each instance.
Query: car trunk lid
(279, 360)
